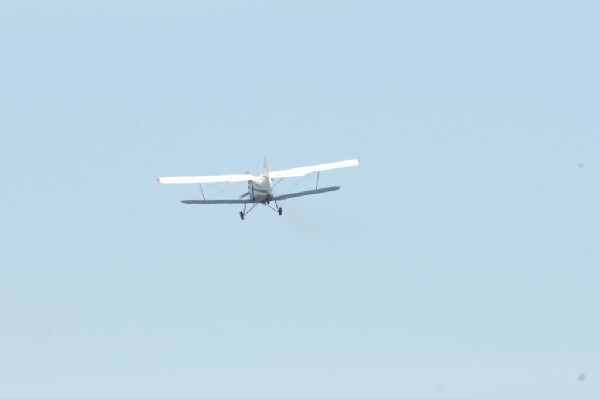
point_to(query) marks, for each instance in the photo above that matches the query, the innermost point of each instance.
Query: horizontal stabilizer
(303, 193)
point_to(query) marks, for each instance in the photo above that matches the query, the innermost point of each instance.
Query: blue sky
(460, 260)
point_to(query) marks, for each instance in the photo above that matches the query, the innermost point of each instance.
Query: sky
(459, 260)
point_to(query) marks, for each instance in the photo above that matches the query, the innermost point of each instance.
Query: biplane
(260, 187)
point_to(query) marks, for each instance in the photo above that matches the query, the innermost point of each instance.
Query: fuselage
(260, 189)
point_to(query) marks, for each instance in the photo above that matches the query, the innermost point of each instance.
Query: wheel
(280, 211)
(242, 215)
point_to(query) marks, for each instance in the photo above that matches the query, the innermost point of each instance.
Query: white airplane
(260, 188)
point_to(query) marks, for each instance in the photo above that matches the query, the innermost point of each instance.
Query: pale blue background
(460, 260)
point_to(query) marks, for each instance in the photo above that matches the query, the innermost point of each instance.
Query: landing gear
(244, 212)
(276, 208)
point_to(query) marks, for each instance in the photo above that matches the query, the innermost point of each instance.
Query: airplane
(260, 188)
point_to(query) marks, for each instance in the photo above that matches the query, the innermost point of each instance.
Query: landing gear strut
(277, 208)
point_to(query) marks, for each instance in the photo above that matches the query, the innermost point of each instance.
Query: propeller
(247, 193)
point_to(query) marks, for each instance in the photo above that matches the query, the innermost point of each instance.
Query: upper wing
(304, 170)
(205, 179)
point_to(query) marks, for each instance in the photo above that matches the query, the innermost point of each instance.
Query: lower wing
(215, 202)
(303, 193)
(276, 198)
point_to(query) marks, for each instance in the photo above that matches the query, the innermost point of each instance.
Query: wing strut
(202, 191)
(317, 186)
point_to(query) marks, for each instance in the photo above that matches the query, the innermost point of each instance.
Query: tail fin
(266, 168)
